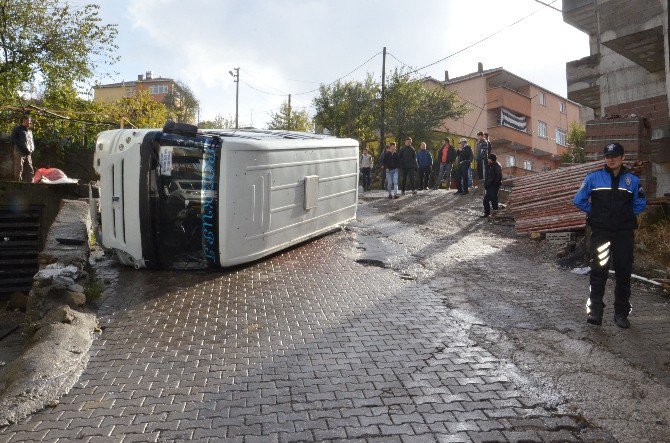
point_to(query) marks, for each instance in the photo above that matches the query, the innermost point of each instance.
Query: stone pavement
(466, 335)
(308, 345)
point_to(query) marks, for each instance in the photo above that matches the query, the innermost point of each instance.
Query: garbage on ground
(52, 176)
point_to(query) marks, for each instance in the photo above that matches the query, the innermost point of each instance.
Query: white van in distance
(182, 198)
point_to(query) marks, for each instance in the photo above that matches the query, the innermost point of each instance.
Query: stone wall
(63, 262)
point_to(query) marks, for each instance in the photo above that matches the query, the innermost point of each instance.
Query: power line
(263, 92)
(255, 74)
(548, 5)
(481, 40)
(345, 75)
(398, 60)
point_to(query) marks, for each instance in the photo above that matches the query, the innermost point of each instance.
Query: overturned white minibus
(183, 198)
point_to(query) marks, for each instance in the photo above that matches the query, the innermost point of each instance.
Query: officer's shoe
(621, 322)
(594, 319)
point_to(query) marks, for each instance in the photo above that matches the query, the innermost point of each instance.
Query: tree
(181, 103)
(290, 120)
(413, 110)
(576, 138)
(140, 111)
(348, 109)
(50, 40)
(219, 122)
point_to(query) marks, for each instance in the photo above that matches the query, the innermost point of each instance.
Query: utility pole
(288, 118)
(382, 143)
(236, 76)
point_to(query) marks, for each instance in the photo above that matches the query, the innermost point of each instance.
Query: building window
(527, 164)
(542, 129)
(543, 99)
(562, 107)
(511, 161)
(561, 137)
(158, 89)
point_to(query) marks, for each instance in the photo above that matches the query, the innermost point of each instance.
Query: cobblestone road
(308, 345)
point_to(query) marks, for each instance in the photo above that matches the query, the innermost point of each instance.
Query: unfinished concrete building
(625, 80)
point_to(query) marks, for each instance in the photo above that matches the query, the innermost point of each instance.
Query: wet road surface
(461, 336)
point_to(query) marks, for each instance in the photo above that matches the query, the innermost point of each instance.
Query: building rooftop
(140, 79)
(499, 77)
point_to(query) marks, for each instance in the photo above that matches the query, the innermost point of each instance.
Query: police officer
(612, 198)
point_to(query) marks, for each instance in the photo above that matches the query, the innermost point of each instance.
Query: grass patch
(94, 290)
(656, 238)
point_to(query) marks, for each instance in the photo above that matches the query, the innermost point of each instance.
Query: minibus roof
(260, 134)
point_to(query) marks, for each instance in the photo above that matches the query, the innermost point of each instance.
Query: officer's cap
(613, 149)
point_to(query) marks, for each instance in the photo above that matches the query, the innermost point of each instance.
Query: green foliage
(413, 110)
(576, 138)
(140, 111)
(349, 109)
(52, 41)
(352, 109)
(94, 290)
(219, 122)
(290, 121)
(182, 104)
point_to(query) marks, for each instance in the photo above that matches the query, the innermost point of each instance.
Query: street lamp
(236, 76)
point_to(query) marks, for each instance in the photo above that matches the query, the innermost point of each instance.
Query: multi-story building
(527, 124)
(159, 88)
(626, 79)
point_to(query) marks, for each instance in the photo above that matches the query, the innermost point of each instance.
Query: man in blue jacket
(612, 198)
(425, 161)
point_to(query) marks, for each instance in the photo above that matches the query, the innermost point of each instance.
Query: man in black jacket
(408, 165)
(482, 154)
(492, 184)
(390, 161)
(464, 158)
(22, 141)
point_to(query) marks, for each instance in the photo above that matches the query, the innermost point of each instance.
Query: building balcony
(645, 47)
(581, 14)
(517, 140)
(582, 77)
(502, 97)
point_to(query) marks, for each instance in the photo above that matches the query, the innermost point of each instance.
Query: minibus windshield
(187, 182)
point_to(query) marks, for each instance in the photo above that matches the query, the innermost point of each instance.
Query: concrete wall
(473, 93)
(108, 95)
(622, 80)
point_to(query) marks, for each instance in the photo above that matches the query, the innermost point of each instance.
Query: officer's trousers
(615, 247)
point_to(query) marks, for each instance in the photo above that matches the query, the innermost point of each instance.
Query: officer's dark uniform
(615, 202)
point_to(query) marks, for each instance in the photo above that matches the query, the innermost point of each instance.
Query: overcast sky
(291, 46)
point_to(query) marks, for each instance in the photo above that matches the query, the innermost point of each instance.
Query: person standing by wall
(612, 198)
(366, 169)
(380, 162)
(391, 161)
(23, 143)
(446, 156)
(482, 156)
(425, 162)
(493, 178)
(408, 165)
(464, 158)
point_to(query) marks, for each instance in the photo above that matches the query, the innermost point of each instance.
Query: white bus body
(221, 198)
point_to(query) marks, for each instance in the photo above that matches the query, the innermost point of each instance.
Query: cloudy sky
(291, 46)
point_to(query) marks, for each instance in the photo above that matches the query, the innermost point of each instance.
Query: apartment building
(527, 124)
(159, 88)
(626, 80)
